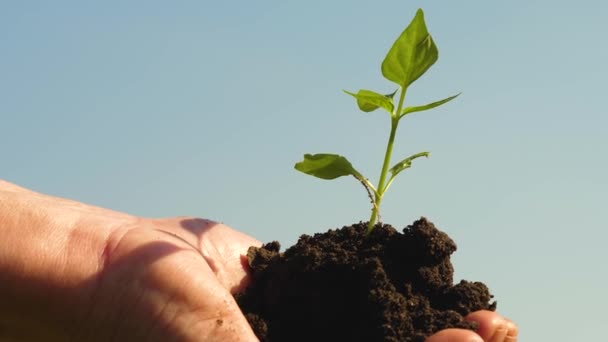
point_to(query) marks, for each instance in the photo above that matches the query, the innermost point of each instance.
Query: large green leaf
(369, 101)
(327, 166)
(411, 55)
(409, 110)
(406, 163)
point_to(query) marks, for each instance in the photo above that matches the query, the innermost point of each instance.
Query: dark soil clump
(345, 286)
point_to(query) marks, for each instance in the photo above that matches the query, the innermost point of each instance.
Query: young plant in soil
(412, 54)
(366, 281)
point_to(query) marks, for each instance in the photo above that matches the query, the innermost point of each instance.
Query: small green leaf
(406, 163)
(369, 101)
(409, 110)
(327, 166)
(412, 54)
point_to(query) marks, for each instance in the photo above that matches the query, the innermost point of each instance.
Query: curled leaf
(406, 163)
(369, 101)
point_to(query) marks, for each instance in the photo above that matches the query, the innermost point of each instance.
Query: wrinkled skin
(74, 272)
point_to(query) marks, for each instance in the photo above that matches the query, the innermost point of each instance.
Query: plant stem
(387, 160)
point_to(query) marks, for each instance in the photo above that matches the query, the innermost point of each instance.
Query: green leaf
(327, 166)
(369, 101)
(409, 110)
(411, 55)
(406, 163)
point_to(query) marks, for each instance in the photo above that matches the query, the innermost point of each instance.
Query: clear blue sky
(201, 108)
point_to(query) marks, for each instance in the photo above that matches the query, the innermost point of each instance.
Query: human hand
(70, 271)
(173, 279)
(223, 249)
(492, 328)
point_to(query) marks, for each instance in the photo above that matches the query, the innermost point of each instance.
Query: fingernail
(476, 339)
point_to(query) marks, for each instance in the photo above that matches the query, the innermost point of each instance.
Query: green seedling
(412, 54)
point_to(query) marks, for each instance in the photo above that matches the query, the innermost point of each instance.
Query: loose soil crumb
(344, 286)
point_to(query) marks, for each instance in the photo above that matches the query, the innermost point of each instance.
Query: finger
(454, 335)
(164, 290)
(512, 331)
(223, 248)
(226, 251)
(493, 327)
(499, 334)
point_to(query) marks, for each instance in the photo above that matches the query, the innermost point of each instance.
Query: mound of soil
(344, 286)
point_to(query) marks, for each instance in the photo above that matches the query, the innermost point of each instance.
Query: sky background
(201, 108)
